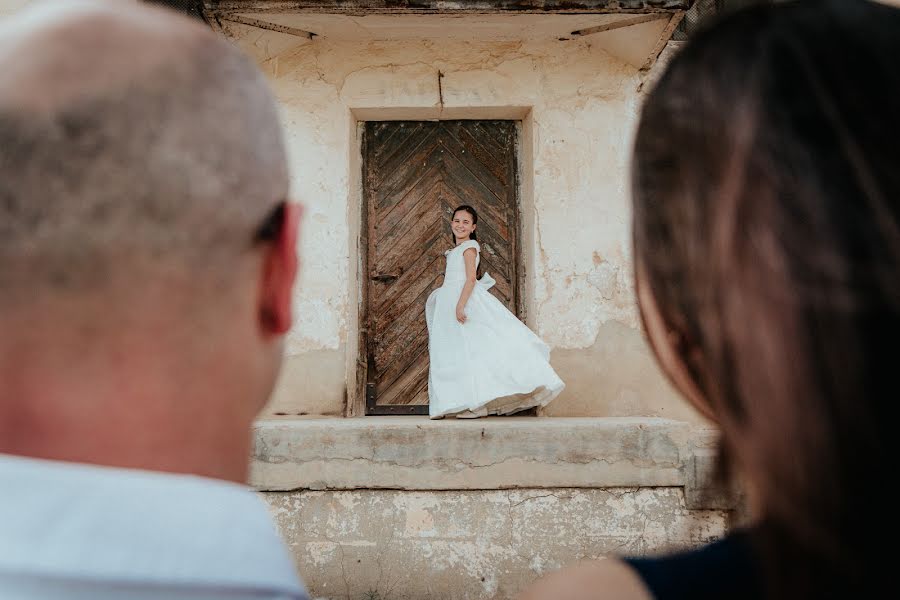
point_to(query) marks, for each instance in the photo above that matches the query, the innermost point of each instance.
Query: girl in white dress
(484, 361)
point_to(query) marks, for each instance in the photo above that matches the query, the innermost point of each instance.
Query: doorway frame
(526, 254)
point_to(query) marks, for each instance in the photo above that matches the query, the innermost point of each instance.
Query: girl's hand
(460, 314)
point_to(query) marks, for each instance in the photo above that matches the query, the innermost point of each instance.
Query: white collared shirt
(71, 530)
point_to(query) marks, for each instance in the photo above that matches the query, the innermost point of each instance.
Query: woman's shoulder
(726, 568)
(470, 244)
(609, 578)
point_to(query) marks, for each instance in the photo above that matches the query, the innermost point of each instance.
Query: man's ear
(280, 264)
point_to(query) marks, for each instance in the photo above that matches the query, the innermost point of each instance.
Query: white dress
(490, 365)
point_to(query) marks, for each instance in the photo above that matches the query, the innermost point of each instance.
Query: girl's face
(462, 225)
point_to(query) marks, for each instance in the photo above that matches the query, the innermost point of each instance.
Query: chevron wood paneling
(416, 173)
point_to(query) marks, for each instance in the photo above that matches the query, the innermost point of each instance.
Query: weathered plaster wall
(316, 376)
(579, 106)
(395, 545)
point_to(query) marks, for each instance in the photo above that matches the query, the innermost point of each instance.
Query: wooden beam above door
(266, 25)
(367, 7)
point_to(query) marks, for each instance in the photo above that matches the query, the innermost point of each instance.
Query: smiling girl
(484, 361)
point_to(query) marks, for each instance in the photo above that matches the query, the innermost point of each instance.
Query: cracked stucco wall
(580, 107)
(473, 544)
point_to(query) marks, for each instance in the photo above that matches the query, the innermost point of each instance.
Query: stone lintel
(415, 453)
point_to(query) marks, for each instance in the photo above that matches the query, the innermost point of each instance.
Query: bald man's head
(132, 141)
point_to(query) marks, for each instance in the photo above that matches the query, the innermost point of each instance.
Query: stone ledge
(702, 490)
(414, 453)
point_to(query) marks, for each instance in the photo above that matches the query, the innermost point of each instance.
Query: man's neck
(152, 446)
(122, 406)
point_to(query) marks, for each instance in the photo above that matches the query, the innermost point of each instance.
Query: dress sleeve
(471, 244)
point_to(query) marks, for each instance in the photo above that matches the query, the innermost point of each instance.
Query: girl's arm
(469, 258)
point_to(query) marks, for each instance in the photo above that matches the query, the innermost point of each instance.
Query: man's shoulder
(43, 588)
(111, 527)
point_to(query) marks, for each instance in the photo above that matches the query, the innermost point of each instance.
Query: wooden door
(415, 174)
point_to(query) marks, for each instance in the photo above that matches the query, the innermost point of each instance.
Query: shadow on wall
(616, 377)
(311, 384)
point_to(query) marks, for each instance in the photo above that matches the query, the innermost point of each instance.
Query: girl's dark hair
(471, 211)
(766, 186)
(472, 236)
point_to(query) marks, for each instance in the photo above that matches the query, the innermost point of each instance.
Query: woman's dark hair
(766, 182)
(471, 211)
